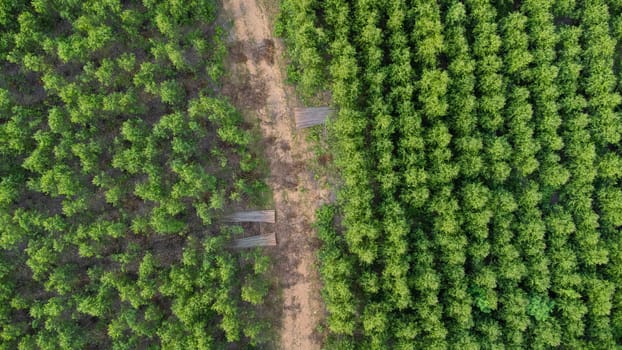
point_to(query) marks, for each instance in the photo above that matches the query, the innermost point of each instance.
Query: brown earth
(256, 86)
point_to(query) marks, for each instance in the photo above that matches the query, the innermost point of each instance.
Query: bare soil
(256, 86)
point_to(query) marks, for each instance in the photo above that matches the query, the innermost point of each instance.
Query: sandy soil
(258, 87)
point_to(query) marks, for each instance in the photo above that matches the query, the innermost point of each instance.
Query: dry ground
(256, 86)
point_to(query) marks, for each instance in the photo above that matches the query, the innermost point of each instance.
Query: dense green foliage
(116, 159)
(479, 148)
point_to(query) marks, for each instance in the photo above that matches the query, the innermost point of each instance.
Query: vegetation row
(117, 158)
(478, 144)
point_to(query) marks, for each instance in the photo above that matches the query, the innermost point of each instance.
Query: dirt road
(259, 87)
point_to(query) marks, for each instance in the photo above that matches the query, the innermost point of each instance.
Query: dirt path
(260, 88)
